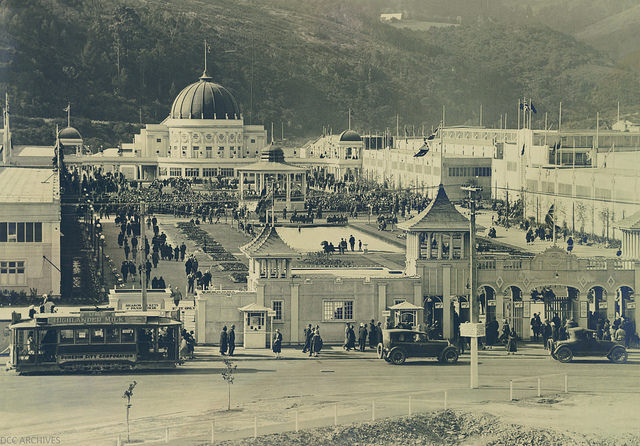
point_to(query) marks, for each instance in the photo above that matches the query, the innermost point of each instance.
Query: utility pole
(473, 302)
(141, 248)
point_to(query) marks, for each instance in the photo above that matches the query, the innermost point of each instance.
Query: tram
(95, 340)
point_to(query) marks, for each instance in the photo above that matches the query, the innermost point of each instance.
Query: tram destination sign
(106, 356)
(96, 319)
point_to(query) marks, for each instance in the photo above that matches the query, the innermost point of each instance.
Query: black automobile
(399, 344)
(583, 342)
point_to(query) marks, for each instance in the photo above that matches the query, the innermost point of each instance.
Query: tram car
(95, 340)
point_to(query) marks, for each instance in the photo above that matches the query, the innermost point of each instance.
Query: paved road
(82, 407)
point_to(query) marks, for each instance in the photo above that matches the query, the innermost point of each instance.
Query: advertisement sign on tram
(106, 356)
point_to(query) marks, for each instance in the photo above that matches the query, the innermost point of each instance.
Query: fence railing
(225, 428)
(538, 381)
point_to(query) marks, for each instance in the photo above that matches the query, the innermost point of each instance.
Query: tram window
(113, 335)
(66, 336)
(127, 335)
(82, 336)
(97, 335)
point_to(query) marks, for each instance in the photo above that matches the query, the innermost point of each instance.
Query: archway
(487, 299)
(625, 302)
(514, 309)
(433, 315)
(597, 305)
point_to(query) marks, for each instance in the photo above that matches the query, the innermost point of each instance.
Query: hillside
(301, 63)
(617, 34)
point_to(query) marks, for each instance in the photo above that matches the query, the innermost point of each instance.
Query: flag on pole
(522, 151)
(533, 108)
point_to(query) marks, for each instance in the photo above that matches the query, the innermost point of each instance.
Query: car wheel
(618, 355)
(564, 354)
(380, 351)
(397, 356)
(449, 356)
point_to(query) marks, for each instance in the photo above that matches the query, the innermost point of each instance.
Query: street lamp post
(473, 303)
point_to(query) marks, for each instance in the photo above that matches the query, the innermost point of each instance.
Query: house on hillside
(391, 16)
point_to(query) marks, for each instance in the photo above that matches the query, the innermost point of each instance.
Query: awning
(405, 306)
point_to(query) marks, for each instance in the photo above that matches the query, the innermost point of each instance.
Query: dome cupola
(205, 99)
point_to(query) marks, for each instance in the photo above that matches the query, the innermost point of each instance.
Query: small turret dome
(350, 136)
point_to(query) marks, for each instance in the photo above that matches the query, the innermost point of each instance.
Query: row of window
(109, 335)
(207, 172)
(469, 171)
(20, 232)
(333, 310)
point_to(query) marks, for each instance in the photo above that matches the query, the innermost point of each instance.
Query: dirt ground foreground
(447, 427)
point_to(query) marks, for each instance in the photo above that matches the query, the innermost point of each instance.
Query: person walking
(379, 333)
(351, 338)
(316, 342)
(362, 337)
(308, 334)
(373, 335)
(346, 337)
(232, 340)
(224, 341)
(277, 343)
(124, 269)
(512, 342)
(547, 333)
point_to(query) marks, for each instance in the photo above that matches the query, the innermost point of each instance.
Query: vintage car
(399, 344)
(583, 342)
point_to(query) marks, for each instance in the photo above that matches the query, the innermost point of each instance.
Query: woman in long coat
(223, 341)
(277, 343)
(351, 338)
(512, 342)
(316, 342)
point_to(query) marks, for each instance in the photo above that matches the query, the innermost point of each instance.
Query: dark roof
(69, 133)
(630, 222)
(268, 244)
(271, 160)
(272, 154)
(440, 215)
(350, 135)
(205, 100)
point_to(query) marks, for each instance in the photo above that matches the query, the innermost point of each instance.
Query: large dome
(205, 100)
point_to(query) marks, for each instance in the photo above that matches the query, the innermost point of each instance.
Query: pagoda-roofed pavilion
(269, 256)
(272, 174)
(439, 232)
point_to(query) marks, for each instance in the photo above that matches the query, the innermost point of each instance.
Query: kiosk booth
(258, 324)
(407, 314)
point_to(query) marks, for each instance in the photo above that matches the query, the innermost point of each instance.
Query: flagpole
(480, 115)
(530, 115)
(68, 114)
(560, 117)
(519, 105)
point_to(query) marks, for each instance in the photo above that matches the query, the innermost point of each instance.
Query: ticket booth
(258, 324)
(407, 314)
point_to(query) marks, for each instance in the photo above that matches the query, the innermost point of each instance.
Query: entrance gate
(560, 305)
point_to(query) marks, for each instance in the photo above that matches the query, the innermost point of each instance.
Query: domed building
(338, 155)
(70, 137)
(203, 136)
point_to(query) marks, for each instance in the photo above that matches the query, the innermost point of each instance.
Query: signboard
(491, 302)
(106, 356)
(631, 305)
(97, 319)
(471, 330)
(583, 308)
(386, 313)
(188, 315)
(438, 305)
(138, 306)
(602, 305)
(464, 304)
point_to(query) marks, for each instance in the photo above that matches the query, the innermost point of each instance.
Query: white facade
(30, 230)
